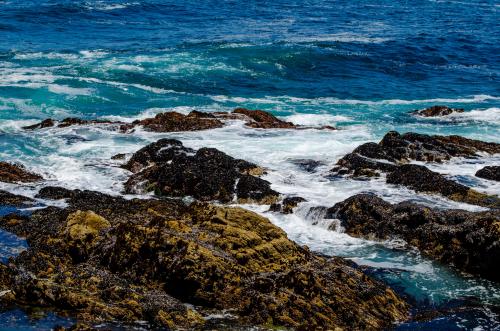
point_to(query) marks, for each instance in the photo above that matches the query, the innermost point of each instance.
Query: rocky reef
(168, 168)
(437, 111)
(9, 199)
(181, 266)
(491, 173)
(470, 241)
(16, 173)
(70, 121)
(392, 154)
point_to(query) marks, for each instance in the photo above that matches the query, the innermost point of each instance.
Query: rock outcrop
(9, 199)
(70, 121)
(470, 241)
(16, 173)
(263, 120)
(490, 172)
(394, 151)
(168, 168)
(437, 111)
(177, 266)
(176, 122)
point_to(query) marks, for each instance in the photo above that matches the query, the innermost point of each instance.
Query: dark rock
(307, 164)
(168, 168)
(421, 179)
(176, 122)
(287, 205)
(43, 124)
(490, 172)
(54, 193)
(435, 111)
(468, 240)
(263, 120)
(119, 156)
(15, 173)
(107, 259)
(9, 199)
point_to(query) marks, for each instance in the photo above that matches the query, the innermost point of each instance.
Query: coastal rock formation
(168, 168)
(394, 151)
(468, 240)
(263, 120)
(491, 173)
(16, 173)
(421, 179)
(182, 266)
(70, 121)
(436, 111)
(287, 205)
(9, 199)
(176, 122)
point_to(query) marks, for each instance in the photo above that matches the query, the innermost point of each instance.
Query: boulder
(263, 120)
(16, 173)
(9, 199)
(436, 111)
(490, 172)
(174, 265)
(287, 205)
(470, 241)
(170, 169)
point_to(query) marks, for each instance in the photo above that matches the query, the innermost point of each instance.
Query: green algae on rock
(175, 265)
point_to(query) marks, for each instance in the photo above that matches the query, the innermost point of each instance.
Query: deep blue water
(359, 65)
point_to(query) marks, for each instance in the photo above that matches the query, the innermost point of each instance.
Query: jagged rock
(168, 168)
(435, 111)
(176, 122)
(421, 179)
(16, 173)
(70, 121)
(468, 240)
(263, 120)
(287, 205)
(9, 199)
(173, 265)
(490, 172)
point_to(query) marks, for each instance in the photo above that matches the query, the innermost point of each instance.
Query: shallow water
(360, 66)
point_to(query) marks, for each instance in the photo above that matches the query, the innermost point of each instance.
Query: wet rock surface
(16, 173)
(491, 173)
(470, 241)
(263, 120)
(105, 258)
(394, 151)
(437, 111)
(168, 168)
(176, 122)
(70, 121)
(287, 205)
(9, 199)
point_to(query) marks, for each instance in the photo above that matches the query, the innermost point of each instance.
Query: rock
(43, 124)
(9, 199)
(15, 173)
(119, 156)
(307, 164)
(421, 179)
(490, 172)
(436, 111)
(287, 205)
(176, 122)
(168, 168)
(468, 240)
(173, 265)
(263, 120)
(54, 193)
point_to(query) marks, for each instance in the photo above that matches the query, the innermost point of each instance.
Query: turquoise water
(361, 66)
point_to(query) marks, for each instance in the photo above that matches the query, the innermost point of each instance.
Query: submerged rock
(16, 173)
(105, 258)
(9, 199)
(470, 241)
(436, 111)
(70, 121)
(491, 173)
(168, 168)
(176, 122)
(287, 205)
(43, 124)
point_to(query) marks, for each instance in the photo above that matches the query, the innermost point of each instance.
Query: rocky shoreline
(185, 255)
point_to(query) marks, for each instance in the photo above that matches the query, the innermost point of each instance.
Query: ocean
(360, 66)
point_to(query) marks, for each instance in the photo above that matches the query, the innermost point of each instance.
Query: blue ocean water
(358, 65)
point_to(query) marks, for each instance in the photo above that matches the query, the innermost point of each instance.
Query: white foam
(315, 119)
(68, 90)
